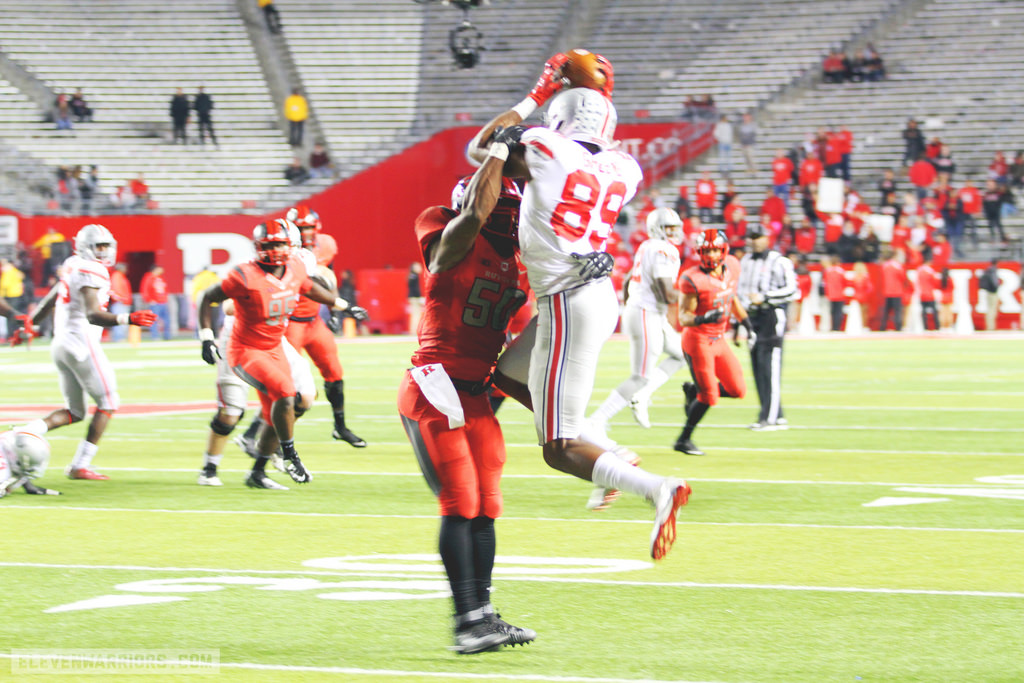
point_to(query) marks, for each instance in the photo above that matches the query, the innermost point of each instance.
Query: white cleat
(639, 408)
(210, 481)
(602, 498)
(278, 462)
(672, 494)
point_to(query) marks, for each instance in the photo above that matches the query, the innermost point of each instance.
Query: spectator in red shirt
(833, 68)
(735, 216)
(894, 278)
(927, 283)
(863, 290)
(120, 300)
(154, 293)
(806, 237)
(773, 208)
(922, 175)
(968, 205)
(835, 291)
(833, 156)
(844, 141)
(941, 251)
(707, 193)
(811, 170)
(140, 190)
(833, 230)
(999, 170)
(803, 288)
(782, 175)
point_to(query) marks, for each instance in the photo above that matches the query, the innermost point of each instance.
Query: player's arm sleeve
(782, 270)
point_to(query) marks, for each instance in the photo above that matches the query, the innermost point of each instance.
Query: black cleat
(686, 446)
(260, 480)
(517, 635)
(346, 434)
(690, 392)
(296, 470)
(479, 636)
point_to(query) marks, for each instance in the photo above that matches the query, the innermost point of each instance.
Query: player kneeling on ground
(23, 457)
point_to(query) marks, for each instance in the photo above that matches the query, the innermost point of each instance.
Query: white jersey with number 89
(570, 205)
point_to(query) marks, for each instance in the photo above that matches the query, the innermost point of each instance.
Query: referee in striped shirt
(767, 284)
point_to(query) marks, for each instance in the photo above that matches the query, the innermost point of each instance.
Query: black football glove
(712, 316)
(34, 490)
(596, 264)
(509, 135)
(211, 354)
(358, 312)
(333, 323)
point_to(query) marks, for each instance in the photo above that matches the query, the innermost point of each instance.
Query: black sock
(456, 546)
(484, 545)
(335, 392)
(288, 449)
(697, 410)
(210, 470)
(254, 428)
(260, 464)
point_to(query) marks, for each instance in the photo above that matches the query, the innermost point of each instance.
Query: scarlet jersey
(570, 205)
(927, 282)
(712, 292)
(307, 308)
(468, 307)
(263, 302)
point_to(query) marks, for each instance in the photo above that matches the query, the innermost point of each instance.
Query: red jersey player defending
(472, 291)
(709, 296)
(307, 331)
(265, 291)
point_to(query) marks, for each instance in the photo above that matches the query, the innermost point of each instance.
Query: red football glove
(550, 80)
(143, 318)
(24, 334)
(609, 74)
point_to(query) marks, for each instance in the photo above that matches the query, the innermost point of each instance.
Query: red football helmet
(309, 224)
(708, 241)
(503, 223)
(271, 242)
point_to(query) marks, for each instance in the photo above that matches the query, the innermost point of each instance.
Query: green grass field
(790, 566)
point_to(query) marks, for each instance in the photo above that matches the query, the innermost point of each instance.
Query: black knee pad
(221, 429)
(299, 412)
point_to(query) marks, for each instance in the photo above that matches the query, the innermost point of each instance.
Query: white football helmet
(294, 236)
(583, 115)
(32, 454)
(665, 224)
(91, 236)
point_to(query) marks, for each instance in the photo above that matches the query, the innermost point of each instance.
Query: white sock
(613, 404)
(212, 459)
(612, 472)
(84, 455)
(37, 427)
(595, 436)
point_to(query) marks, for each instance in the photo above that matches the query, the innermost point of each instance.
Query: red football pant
(467, 461)
(316, 339)
(265, 370)
(712, 361)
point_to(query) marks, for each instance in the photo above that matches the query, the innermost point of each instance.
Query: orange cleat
(672, 495)
(84, 473)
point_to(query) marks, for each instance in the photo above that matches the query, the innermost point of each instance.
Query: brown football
(582, 70)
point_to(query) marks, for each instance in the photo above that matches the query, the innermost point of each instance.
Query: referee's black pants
(766, 360)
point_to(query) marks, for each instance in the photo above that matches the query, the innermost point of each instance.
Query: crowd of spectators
(862, 65)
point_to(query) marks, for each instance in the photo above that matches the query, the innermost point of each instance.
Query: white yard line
(546, 579)
(340, 670)
(558, 520)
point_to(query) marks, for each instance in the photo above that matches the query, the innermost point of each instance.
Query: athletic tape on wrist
(525, 108)
(206, 334)
(123, 318)
(498, 150)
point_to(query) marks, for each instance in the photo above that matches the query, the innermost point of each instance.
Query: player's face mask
(502, 226)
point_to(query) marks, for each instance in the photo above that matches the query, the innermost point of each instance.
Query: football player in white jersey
(576, 185)
(23, 457)
(79, 301)
(650, 290)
